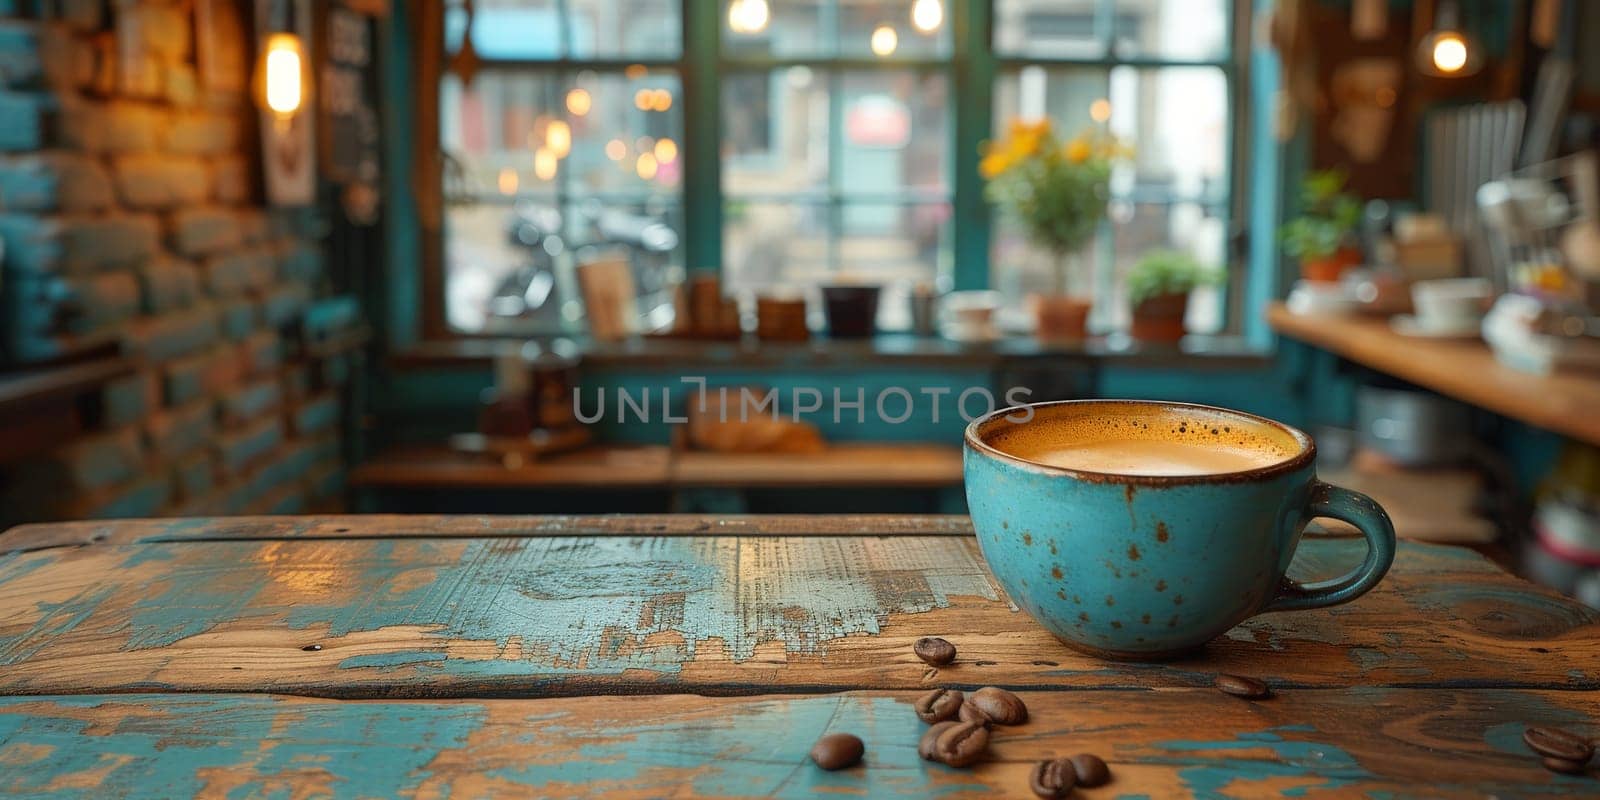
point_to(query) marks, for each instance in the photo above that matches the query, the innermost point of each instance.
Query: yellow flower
(993, 163)
(1077, 151)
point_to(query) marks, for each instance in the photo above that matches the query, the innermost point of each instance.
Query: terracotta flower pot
(1330, 268)
(1160, 318)
(1060, 317)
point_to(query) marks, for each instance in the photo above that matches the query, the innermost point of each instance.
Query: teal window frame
(971, 69)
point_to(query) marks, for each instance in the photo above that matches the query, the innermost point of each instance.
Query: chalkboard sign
(350, 124)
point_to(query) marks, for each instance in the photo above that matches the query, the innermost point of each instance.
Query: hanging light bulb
(666, 150)
(558, 138)
(1100, 110)
(927, 15)
(508, 181)
(283, 74)
(579, 102)
(748, 16)
(616, 149)
(1447, 51)
(646, 166)
(884, 40)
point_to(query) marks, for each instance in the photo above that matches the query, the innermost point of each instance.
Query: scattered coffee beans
(926, 747)
(934, 650)
(1554, 743)
(1090, 769)
(1241, 686)
(1564, 766)
(971, 713)
(837, 751)
(961, 744)
(999, 705)
(938, 705)
(1053, 779)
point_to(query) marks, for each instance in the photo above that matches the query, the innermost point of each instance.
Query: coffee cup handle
(1358, 510)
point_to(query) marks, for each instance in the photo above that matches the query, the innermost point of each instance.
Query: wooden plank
(1170, 744)
(716, 615)
(1466, 370)
(841, 465)
(406, 526)
(606, 467)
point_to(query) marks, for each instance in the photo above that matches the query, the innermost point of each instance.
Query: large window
(839, 126)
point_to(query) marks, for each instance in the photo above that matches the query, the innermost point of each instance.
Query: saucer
(1409, 325)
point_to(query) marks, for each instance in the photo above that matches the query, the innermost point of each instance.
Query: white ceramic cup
(1449, 302)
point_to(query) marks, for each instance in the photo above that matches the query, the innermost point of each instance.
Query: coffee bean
(926, 747)
(1557, 743)
(971, 713)
(837, 751)
(1241, 686)
(1091, 770)
(1052, 779)
(999, 705)
(1564, 766)
(962, 744)
(938, 705)
(934, 650)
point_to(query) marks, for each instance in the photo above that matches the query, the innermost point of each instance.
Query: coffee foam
(1059, 427)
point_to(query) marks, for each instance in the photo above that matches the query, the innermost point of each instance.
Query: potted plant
(1323, 236)
(1057, 192)
(1158, 288)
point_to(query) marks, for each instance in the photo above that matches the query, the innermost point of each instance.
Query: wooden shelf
(1465, 370)
(604, 466)
(31, 386)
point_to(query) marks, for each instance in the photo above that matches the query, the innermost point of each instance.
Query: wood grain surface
(434, 657)
(529, 616)
(1168, 744)
(1466, 370)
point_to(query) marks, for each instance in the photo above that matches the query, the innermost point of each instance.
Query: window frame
(971, 68)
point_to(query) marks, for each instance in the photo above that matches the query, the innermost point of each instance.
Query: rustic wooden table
(687, 656)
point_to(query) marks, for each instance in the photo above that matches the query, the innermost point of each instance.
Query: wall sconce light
(283, 74)
(1447, 51)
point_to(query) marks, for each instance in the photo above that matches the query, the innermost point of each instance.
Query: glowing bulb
(748, 16)
(642, 99)
(884, 40)
(282, 68)
(508, 181)
(661, 99)
(616, 150)
(646, 166)
(1100, 110)
(545, 163)
(666, 151)
(558, 138)
(927, 15)
(1449, 52)
(579, 102)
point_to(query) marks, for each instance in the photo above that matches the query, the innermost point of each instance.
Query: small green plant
(1329, 217)
(1162, 272)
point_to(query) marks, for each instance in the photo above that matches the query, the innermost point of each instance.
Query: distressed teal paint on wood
(1321, 766)
(170, 746)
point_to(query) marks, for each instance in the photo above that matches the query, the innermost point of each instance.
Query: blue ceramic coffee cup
(1127, 564)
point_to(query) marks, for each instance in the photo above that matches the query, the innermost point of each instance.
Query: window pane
(777, 28)
(895, 133)
(1175, 118)
(768, 244)
(516, 132)
(1175, 29)
(536, 30)
(886, 243)
(1138, 228)
(862, 26)
(775, 131)
(1049, 28)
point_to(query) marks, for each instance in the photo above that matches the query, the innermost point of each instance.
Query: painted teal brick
(237, 449)
(195, 475)
(183, 379)
(53, 181)
(284, 304)
(77, 244)
(177, 431)
(125, 401)
(330, 315)
(142, 498)
(302, 261)
(240, 316)
(316, 416)
(23, 120)
(169, 336)
(261, 352)
(19, 53)
(169, 284)
(203, 231)
(100, 461)
(240, 271)
(239, 406)
(76, 304)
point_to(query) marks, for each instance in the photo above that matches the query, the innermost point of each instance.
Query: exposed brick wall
(131, 218)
